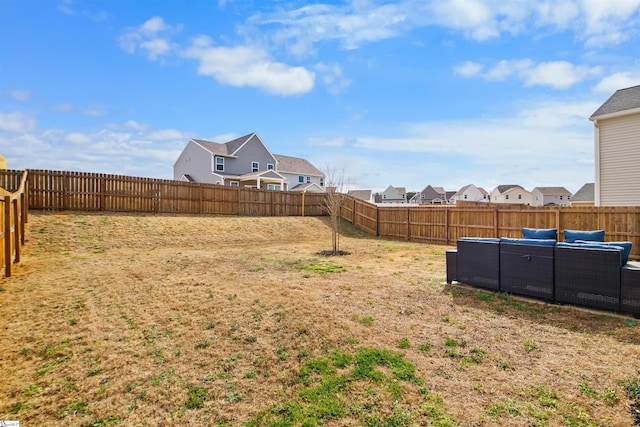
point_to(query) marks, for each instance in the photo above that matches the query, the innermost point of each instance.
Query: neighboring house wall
(432, 195)
(196, 162)
(617, 149)
(394, 195)
(619, 161)
(365, 195)
(514, 194)
(543, 196)
(253, 150)
(470, 193)
(584, 196)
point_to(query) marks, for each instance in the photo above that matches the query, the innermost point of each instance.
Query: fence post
(16, 229)
(408, 223)
(496, 226)
(7, 235)
(102, 193)
(446, 227)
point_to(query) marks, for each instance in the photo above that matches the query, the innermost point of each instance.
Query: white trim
(237, 184)
(253, 162)
(596, 187)
(615, 114)
(215, 163)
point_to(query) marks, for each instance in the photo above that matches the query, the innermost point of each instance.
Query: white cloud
(17, 122)
(558, 74)
(338, 141)
(617, 81)
(248, 66)
(332, 77)
(555, 74)
(548, 143)
(94, 111)
(472, 17)
(21, 95)
(149, 154)
(151, 38)
(596, 22)
(468, 69)
(63, 108)
(166, 135)
(77, 138)
(132, 124)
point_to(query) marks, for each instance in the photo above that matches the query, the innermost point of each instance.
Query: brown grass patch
(174, 320)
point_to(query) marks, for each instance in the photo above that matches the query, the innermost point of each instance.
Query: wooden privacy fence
(13, 216)
(439, 224)
(81, 191)
(444, 224)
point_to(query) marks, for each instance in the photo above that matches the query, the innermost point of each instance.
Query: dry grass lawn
(180, 320)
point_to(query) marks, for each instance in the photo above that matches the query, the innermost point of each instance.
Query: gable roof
(400, 192)
(585, 194)
(227, 149)
(502, 188)
(296, 165)
(360, 194)
(553, 191)
(621, 100)
(311, 186)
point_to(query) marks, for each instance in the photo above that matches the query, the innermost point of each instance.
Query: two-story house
(432, 195)
(394, 195)
(511, 193)
(617, 149)
(550, 196)
(470, 193)
(245, 162)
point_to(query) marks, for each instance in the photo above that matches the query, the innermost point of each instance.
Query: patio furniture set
(583, 270)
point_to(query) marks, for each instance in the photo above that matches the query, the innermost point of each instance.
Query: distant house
(511, 193)
(365, 195)
(432, 195)
(550, 196)
(617, 149)
(470, 193)
(394, 195)
(584, 196)
(245, 162)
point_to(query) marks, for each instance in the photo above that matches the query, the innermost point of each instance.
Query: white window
(308, 179)
(234, 184)
(273, 187)
(465, 196)
(270, 166)
(255, 166)
(519, 196)
(301, 178)
(219, 164)
(506, 197)
(560, 197)
(321, 182)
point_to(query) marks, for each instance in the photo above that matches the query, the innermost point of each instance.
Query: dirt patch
(165, 320)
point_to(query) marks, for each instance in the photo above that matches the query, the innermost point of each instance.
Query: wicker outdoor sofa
(584, 270)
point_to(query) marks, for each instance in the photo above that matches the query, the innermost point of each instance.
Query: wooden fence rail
(80, 191)
(13, 216)
(444, 224)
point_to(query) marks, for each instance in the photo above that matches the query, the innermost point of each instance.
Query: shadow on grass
(575, 319)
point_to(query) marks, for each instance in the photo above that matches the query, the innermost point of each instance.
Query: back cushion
(626, 248)
(570, 236)
(540, 233)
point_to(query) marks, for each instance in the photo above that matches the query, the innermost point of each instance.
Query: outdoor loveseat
(583, 270)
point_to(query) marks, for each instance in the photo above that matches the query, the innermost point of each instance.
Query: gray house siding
(252, 151)
(195, 161)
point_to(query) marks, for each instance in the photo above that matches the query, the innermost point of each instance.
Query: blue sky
(404, 93)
